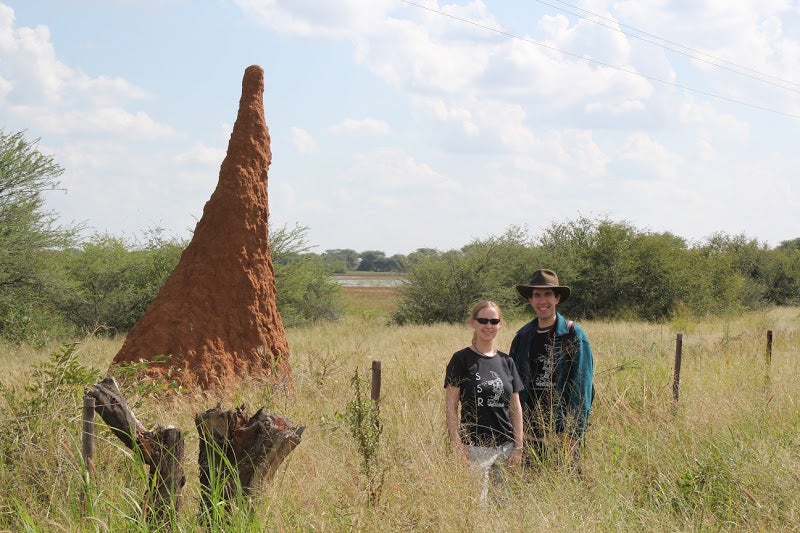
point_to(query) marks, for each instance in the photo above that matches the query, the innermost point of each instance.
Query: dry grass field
(724, 457)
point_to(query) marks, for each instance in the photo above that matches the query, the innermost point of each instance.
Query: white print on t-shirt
(544, 380)
(496, 385)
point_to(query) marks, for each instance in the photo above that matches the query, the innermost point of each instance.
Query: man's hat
(543, 279)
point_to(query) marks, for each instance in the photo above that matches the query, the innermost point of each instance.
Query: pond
(368, 280)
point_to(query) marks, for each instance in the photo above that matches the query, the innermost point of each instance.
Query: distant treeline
(616, 271)
(54, 285)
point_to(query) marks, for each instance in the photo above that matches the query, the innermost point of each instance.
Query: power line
(601, 63)
(714, 60)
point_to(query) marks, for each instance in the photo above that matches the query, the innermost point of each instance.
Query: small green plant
(138, 384)
(363, 419)
(61, 376)
(34, 428)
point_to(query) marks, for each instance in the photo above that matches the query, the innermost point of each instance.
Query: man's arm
(580, 390)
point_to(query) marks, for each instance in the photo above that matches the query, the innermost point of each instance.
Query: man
(555, 362)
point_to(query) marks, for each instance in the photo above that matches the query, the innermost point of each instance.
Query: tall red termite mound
(216, 315)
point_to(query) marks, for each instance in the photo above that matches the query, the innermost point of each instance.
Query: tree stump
(161, 449)
(237, 454)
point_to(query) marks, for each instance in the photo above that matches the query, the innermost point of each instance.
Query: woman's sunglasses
(484, 321)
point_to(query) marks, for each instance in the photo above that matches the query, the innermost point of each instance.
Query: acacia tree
(341, 260)
(28, 234)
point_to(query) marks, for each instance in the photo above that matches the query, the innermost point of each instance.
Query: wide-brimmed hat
(543, 279)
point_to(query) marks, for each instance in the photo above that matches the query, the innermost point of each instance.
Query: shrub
(305, 291)
(443, 287)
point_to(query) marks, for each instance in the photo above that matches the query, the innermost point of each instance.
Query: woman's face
(486, 332)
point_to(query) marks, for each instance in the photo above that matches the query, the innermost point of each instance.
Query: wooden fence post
(161, 449)
(87, 436)
(676, 380)
(87, 448)
(769, 349)
(375, 389)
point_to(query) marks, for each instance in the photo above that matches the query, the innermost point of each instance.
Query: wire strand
(601, 63)
(710, 61)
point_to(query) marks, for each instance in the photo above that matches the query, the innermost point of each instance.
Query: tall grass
(725, 457)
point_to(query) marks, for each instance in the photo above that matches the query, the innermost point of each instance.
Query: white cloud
(303, 142)
(395, 170)
(313, 19)
(367, 126)
(201, 154)
(704, 116)
(39, 90)
(748, 40)
(641, 147)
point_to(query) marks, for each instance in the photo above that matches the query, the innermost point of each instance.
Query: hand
(460, 450)
(515, 459)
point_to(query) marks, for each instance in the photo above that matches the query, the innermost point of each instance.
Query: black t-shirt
(541, 385)
(486, 385)
(543, 364)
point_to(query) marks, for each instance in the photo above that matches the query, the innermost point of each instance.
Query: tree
(785, 277)
(749, 259)
(420, 254)
(439, 289)
(591, 256)
(615, 270)
(656, 275)
(373, 261)
(28, 234)
(396, 263)
(793, 244)
(305, 291)
(341, 260)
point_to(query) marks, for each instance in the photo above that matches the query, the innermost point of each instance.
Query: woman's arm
(451, 399)
(515, 413)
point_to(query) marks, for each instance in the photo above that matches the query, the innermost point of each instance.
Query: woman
(485, 382)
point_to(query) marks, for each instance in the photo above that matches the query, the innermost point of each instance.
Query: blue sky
(398, 125)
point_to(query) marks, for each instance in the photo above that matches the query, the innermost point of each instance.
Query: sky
(397, 125)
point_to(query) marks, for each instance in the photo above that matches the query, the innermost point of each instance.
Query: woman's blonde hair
(480, 306)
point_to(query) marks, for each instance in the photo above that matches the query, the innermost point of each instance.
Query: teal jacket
(574, 373)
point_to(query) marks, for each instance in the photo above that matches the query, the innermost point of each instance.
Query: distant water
(367, 281)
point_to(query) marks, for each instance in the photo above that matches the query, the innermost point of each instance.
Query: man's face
(544, 303)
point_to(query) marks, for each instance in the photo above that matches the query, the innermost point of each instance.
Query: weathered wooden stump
(237, 454)
(161, 449)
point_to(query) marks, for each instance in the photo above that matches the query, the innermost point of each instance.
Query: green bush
(615, 270)
(438, 289)
(443, 287)
(113, 282)
(305, 291)
(109, 282)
